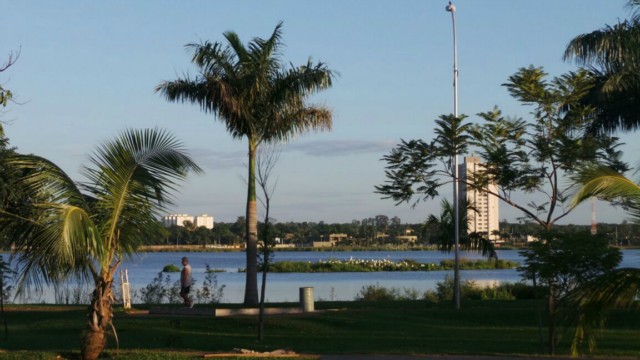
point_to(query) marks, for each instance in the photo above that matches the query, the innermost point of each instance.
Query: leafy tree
(13, 197)
(612, 57)
(528, 158)
(190, 227)
(257, 98)
(86, 229)
(563, 263)
(223, 234)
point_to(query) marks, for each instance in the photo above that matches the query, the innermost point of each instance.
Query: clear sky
(88, 70)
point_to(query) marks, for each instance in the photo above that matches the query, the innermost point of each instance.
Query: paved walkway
(434, 357)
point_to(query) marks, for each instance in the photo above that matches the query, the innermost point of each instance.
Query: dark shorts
(185, 290)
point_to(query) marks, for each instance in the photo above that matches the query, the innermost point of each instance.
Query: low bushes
(162, 290)
(469, 290)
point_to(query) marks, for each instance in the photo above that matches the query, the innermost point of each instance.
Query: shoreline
(240, 248)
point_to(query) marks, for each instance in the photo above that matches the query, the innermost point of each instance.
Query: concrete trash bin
(306, 299)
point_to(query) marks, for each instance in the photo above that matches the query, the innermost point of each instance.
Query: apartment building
(486, 216)
(179, 219)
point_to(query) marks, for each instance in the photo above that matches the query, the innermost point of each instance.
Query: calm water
(327, 286)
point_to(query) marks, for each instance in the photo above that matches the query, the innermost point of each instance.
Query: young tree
(266, 161)
(249, 89)
(86, 229)
(530, 158)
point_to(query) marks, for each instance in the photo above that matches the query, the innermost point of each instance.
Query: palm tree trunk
(94, 338)
(251, 284)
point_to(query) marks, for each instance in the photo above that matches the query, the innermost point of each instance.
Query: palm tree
(618, 288)
(612, 55)
(84, 230)
(248, 88)
(443, 228)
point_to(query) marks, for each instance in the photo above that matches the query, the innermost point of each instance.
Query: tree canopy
(526, 157)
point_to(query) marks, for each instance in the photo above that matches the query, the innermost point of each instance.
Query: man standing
(185, 282)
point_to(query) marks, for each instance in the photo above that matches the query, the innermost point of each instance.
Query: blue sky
(88, 69)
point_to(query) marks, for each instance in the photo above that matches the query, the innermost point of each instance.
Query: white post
(456, 274)
(126, 289)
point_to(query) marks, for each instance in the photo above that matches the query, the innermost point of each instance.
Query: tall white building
(486, 216)
(179, 219)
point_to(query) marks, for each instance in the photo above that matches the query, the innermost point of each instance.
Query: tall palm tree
(619, 288)
(612, 55)
(86, 229)
(248, 88)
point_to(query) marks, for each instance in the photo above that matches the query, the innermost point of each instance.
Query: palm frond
(44, 181)
(57, 244)
(606, 46)
(132, 179)
(588, 305)
(607, 184)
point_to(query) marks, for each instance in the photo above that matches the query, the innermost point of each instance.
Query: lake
(284, 287)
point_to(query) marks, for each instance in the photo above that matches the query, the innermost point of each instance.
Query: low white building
(179, 219)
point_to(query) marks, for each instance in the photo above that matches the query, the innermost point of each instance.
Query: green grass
(406, 327)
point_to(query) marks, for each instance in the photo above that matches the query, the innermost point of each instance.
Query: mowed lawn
(396, 327)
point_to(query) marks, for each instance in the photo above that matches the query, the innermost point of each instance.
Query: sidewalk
(434, 357)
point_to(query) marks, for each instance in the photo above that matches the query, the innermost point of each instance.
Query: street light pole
(456, 272)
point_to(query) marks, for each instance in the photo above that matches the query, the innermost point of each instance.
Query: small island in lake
(361, 265)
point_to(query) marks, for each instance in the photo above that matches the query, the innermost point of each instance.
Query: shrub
(376, 293)
(156, 291)
(162, 290)
(210, 293)
(496, 293)
(468, 289)
(170, 268)
(380, 293)
(430, 296)
(522, 291)
(66, 294)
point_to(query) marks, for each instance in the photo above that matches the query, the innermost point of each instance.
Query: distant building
(179, 219)
(330, 241)
(407, 236)
(334, 238)
(485, 217)
(204, 220)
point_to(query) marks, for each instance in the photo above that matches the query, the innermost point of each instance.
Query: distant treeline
(371, 232)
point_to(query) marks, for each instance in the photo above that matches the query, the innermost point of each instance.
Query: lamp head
(450, 8)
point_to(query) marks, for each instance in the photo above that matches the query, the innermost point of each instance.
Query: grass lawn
(397, 327)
